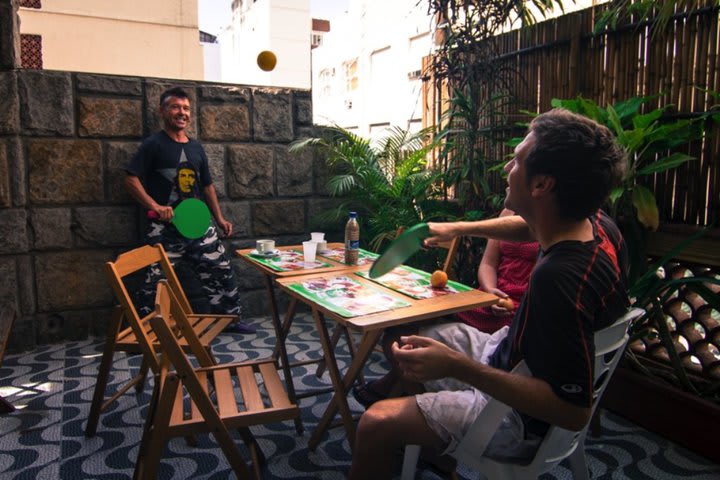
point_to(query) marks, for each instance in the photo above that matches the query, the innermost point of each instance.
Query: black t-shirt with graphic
(575, 289)
(171, 171)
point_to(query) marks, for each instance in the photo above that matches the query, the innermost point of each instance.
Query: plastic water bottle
(352, 240)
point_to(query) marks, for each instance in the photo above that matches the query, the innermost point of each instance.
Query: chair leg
(578, 464)
(410, 459)
(256, 454)
(103, 373)
(154, 433)
(142, 376)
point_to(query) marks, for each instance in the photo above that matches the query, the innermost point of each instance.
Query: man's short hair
(583, 157)
(173, 92)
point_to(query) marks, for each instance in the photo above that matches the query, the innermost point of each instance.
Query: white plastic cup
(317, 236)
(321, 246)
(309, 250)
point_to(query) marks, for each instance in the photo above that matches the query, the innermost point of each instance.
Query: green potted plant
(389, 183)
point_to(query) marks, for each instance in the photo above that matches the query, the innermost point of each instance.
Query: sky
(215, 14)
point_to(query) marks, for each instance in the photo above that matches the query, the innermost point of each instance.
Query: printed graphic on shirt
(185, 181)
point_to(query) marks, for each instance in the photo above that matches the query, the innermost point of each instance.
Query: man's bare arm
(137, 191)
(510, 228)
(421, 359)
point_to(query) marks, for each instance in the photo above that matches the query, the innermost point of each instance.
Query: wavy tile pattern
(53, 386)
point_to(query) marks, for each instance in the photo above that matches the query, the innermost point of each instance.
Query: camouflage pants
(206, 257)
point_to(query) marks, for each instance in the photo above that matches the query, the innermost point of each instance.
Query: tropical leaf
(647, 211)
(664, 164)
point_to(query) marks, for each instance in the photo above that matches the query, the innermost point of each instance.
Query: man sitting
(560, 176)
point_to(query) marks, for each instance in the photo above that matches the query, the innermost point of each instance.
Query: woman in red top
(504, 271)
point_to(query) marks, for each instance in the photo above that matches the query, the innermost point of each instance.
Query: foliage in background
(389, 184)
(650, 140)
(656, 13)
(466, 59)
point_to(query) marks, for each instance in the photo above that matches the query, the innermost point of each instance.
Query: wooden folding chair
(139, 337)
(222, 397)
(7, 320)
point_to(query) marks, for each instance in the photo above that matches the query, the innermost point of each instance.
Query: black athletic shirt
(575, 289)
(171, 171)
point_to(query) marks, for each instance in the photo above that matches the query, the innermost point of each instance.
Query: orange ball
(438, 279)
(266, 60)
(506, 303)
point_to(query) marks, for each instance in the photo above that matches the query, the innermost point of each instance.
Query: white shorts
(450, 406)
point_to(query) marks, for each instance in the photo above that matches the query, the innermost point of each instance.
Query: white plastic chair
(558, 443)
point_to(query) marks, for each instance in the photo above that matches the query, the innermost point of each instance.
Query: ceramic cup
(309, 250)
(265, 246)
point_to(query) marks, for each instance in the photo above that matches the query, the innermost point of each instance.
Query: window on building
(316, 40)
(351, 75)
(31, 52)
(326, 79)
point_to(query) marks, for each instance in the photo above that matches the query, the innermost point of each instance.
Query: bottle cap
(353, 214)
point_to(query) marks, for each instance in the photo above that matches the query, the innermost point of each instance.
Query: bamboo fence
(559, 58)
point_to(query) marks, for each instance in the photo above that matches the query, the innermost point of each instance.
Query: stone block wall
(64, 139)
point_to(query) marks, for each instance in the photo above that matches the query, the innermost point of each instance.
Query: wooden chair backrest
(169, 307)
(173, 353)
(7, 320)
(131, 262)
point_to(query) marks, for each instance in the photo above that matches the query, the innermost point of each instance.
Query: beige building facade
(157, 38)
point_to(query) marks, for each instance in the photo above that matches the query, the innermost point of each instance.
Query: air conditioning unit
(415, 74)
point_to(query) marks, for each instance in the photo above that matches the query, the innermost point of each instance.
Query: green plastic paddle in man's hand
(191, 218)
(402, 248)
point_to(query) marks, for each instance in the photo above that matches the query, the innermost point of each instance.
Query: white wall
(389, 40)
(281, 26)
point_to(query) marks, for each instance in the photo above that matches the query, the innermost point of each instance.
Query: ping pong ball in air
(438, 279)
(266, 60)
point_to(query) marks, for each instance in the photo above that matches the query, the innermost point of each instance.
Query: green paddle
(402, 248)
(191, 218)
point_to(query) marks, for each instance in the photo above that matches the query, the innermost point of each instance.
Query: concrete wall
(130, 37)
(64, 138)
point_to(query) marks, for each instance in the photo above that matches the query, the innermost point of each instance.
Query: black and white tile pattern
(53, 386)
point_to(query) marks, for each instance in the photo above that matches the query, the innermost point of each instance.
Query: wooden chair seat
(237, 397)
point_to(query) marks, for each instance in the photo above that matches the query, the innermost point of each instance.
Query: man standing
(560, 176)
(168, 168)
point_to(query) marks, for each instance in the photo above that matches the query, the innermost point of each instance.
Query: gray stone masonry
(65, 139)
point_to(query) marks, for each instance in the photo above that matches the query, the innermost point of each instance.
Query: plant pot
(664, 409)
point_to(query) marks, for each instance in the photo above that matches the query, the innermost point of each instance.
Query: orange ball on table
(438, 279)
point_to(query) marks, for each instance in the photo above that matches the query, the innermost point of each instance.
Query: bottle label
(353, 244)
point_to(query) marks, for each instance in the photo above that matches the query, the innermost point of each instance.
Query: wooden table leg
(287, 322)
(280, 346)
(341, 385)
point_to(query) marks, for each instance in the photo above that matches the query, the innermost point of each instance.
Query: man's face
(186, 180)
(517, 194)
(175, 113)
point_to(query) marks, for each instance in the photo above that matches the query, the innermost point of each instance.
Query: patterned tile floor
(52, 388)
